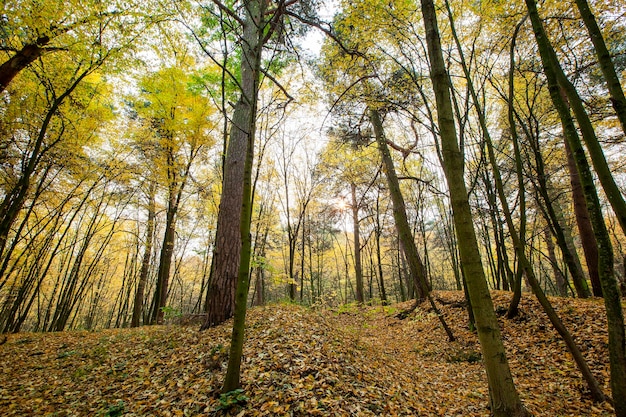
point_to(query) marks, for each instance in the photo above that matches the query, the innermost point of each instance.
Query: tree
(181, 125)
(504, 398)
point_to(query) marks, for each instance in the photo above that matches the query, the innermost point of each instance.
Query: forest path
(350, 361)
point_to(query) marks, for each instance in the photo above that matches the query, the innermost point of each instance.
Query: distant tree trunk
(145, 261)
(504, 398)
(612, 301)
(585, 229)
(176, 187)
(561, 282)
(358, 268)
(378, 233)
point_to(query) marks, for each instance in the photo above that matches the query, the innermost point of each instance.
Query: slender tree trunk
(165, 263)
(525, 264)
(145, 261)
(519, 168)
(402, 223)
(14, 198)
(358, 268)
(610, 290)
(561, 283)
(504, 398)
(604, 59)
(554, 215)
(381, 277)
(414, 261)
(600, 165)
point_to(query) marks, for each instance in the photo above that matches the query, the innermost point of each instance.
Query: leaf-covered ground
(303, 362)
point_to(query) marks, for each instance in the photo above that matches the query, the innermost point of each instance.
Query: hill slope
(353, 362)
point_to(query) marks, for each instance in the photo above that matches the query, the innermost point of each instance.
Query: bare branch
(228, 11)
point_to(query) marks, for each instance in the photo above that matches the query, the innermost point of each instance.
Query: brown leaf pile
(302, 362)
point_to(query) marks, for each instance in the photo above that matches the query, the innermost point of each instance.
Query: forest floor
(306, 362)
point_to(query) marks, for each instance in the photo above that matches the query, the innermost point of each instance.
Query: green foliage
(231, 399)
(114, 410)
(170, 313)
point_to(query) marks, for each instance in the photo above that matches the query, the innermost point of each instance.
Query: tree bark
(22, 58)
(585, 229)
(243, 127)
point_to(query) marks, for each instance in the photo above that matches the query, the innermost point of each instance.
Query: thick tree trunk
(220, 300)
(504, 398)
(244, 125)
(22, 58)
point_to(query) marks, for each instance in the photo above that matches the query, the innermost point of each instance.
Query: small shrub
(231, 399)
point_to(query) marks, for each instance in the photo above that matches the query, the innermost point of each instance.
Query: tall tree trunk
(524, 262)
(165, 261)
(243, 128)
(220, 299)
(414, 261)
(600, 165)
(402, 224)
(553, 214)
(519, 167)
(504, 397)
(610, 290)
